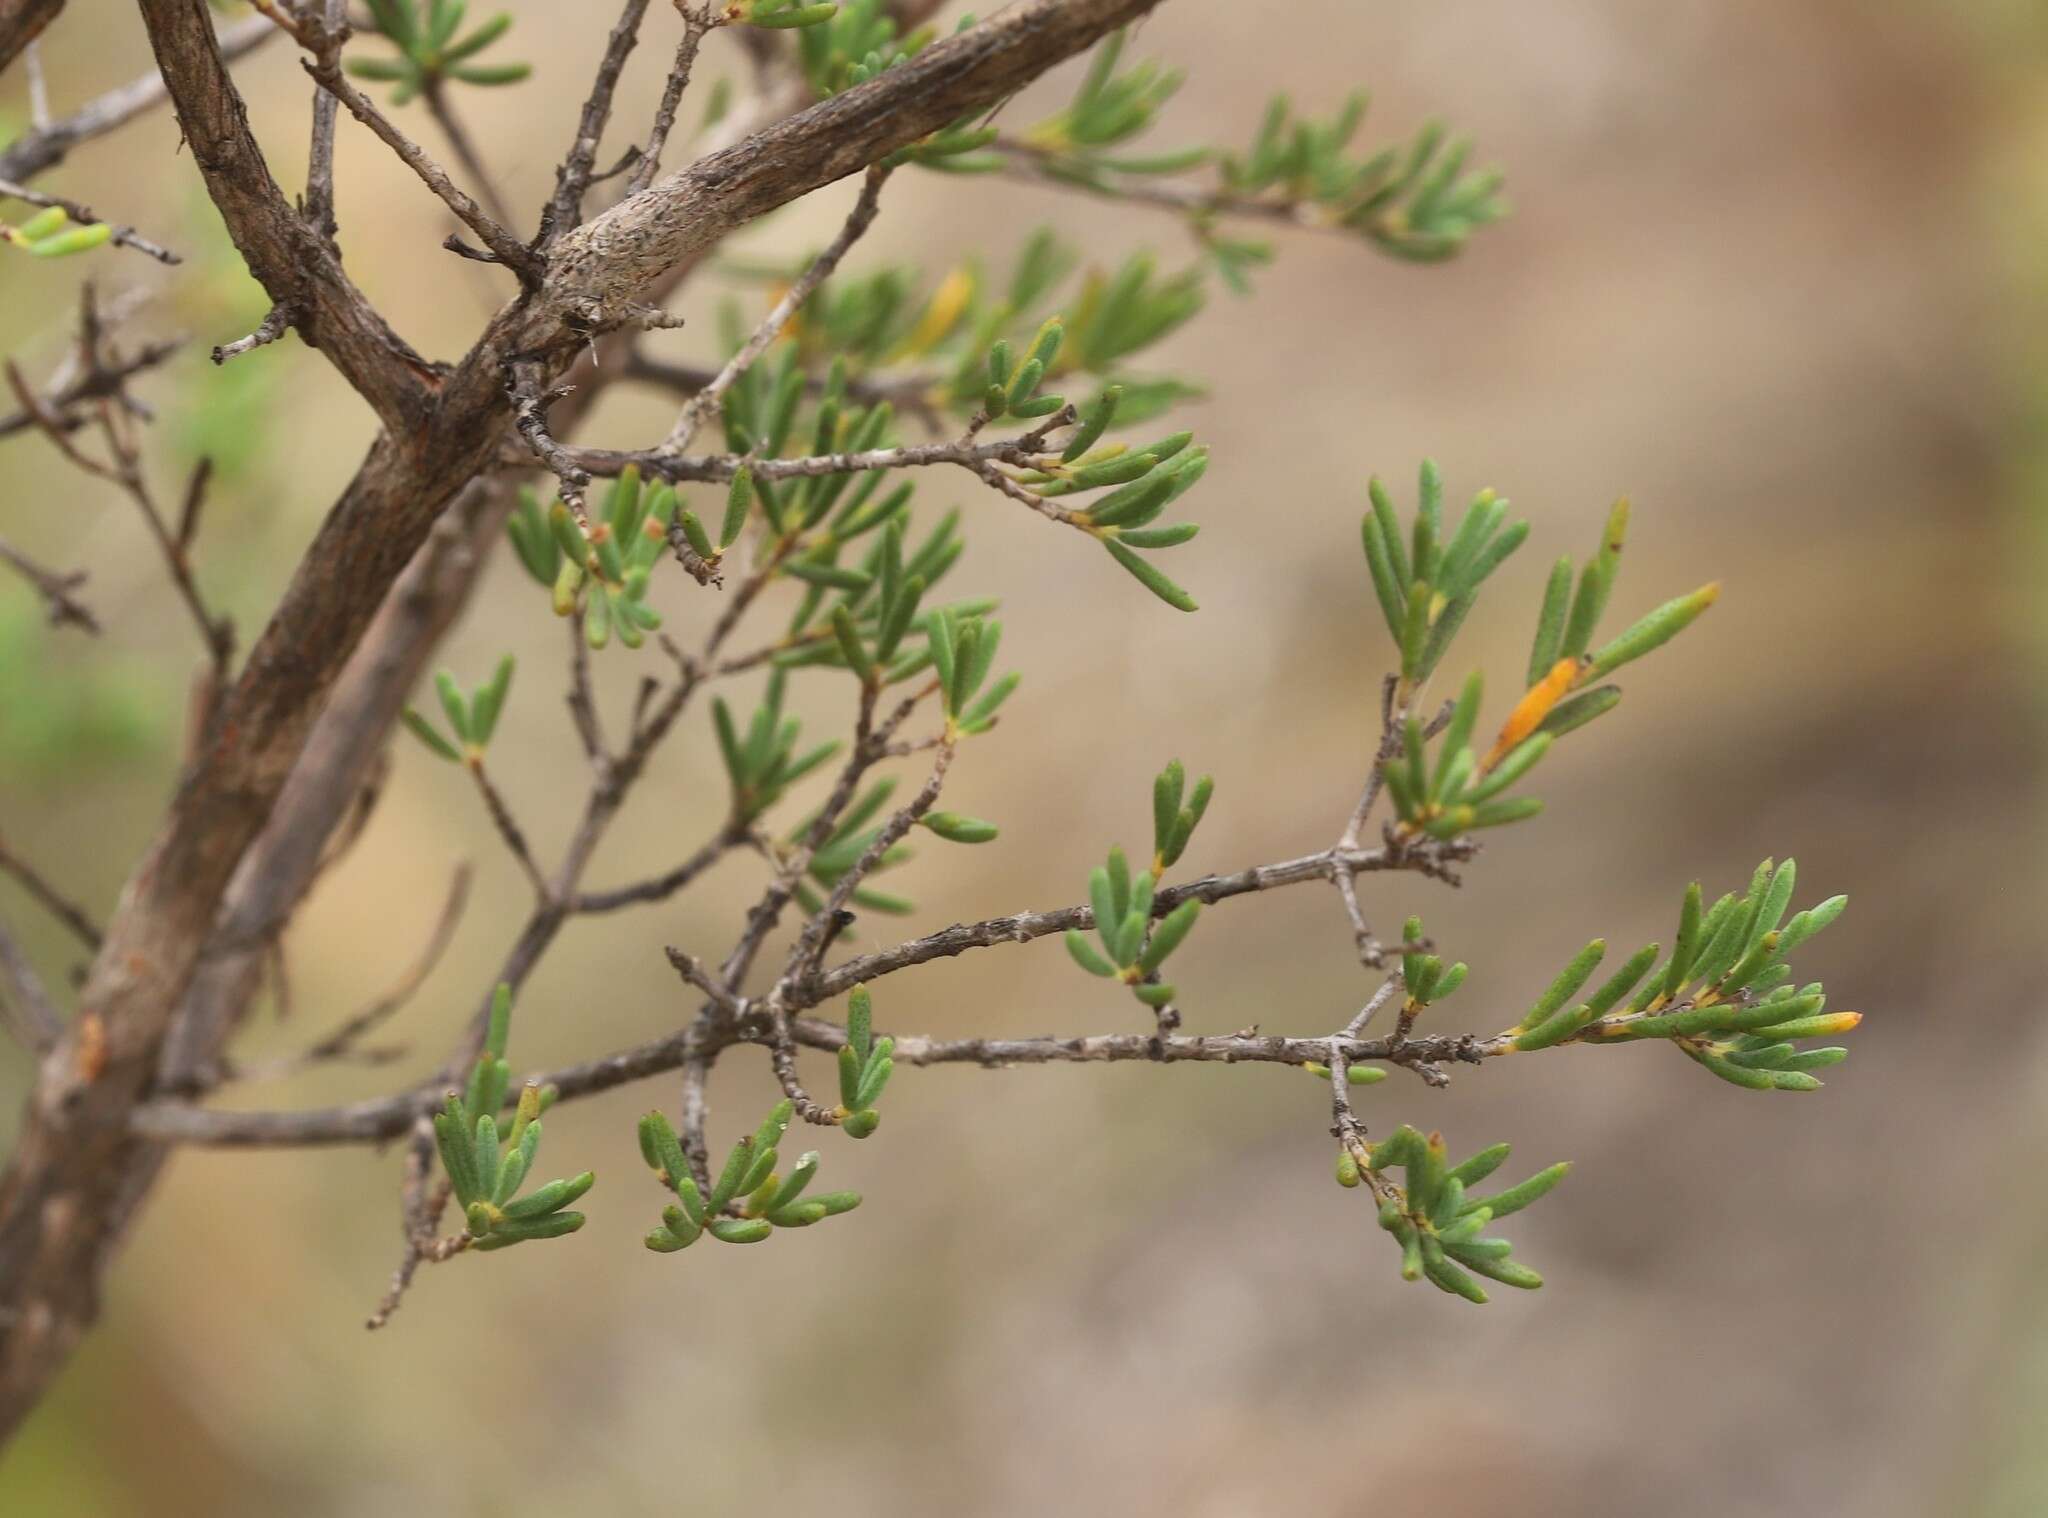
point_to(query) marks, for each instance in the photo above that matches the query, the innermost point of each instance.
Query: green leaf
(1148, 576)
(423, 730)
(489, 702)
(1168, 935)
(552, 1197)
(1550, 621)
(554, 1226)
(1574, 712)
(1516, 1197)
(1085, 956)
(738, 496)
(453, 706)
(1653, 631)
(1562, 989)
(955, 828)
(739, 1230)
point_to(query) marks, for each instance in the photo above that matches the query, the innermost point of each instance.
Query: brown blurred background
(1776, 272)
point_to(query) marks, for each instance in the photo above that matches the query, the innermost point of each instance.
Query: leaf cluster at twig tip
(1133, 947)
(472, 718)
(1724, 996)
(748, 1200)
(1440, 1228)
(486, 1174)
(51, 233)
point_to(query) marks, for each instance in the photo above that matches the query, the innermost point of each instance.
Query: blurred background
(1776, 272)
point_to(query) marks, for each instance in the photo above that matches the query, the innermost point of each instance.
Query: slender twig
(123, 466)
(49, 898)
(531, 396)
(435, 96)
(420, 1205)
(1022, 927)
(1025, 451)
(706, 402)
(88, 384)
(693, 970)
(663, 886)
(509, 830)
(119, 236)
(810, 948)
(582, 702)
(325, 67)
(696, 22)
(382, 1118)
(54, 587)
(565, 209)
(914, 393)
(276, 322)
(318, 207)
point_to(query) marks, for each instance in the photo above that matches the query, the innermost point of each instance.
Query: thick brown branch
(289, 258)
(602, 267)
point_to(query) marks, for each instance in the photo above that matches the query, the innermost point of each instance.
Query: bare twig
(88, 383)
(706, 402)
(509, 830)
(663, 886)
(696, 22)
(325, 67)
(54, 587)
(914, 393)
(420, 1205)
(276, 322)
(1022, 927)
(49, 898)
(582, 702)
(531, 396)
(435, 95)
(565, 208)
(319, 202)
